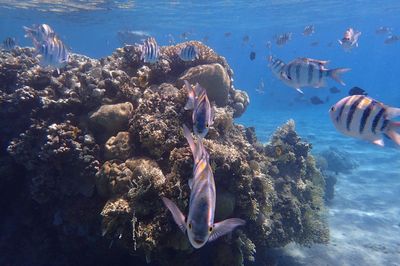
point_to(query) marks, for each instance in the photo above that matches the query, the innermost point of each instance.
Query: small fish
(227, 34)
(316, 100)
(206, 39)
(334, 90)
(39, 33)
(199, 225)
(283, 38)
(261, 87)
(202, 115)
(189, 53)
(246, 39)
(252, 55)
(383, 30)
(132, 36)
(357, 91)
(53, 53)
(308, 30)
(150, 51)
(304, 72)
(9, 44)
(314, 43)
(362, 117)
(391, 39)
(350, 39)
(185, 35)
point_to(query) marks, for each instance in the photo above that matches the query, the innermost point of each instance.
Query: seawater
(365, 213)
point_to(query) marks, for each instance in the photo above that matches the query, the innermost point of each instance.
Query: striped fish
(9, 44)
(53, 53)
(362, 117)
(350, 39)
(308, 30)
(283, 38)
(39, 33)
(304, 72)
(150, 51)
(200, 224)
(189, 53)
(202, 115)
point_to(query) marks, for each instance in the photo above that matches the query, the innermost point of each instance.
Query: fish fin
(212, 117)
(285, 76)
(190, 183)
(392, 112)
(191, 95)
(189, 138)
(299, 90)
(334, 74)
(198, 90)
(178, 216)
(340, 42)
(393, 133)
(378, 142)
(225, 227)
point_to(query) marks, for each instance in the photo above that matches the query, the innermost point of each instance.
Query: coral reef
(94, 146)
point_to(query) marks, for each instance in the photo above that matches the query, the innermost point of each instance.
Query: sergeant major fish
(200, 224)
(202, 115)
(39, 33)
(189, 53)
(362, 117)
(304, 72)
(308, 30)
(53, 52)
(9, 44)
(283, 38)
(150, 51)
(350, 39)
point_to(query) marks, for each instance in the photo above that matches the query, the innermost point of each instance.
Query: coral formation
(97, 145)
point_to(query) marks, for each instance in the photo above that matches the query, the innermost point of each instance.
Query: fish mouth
(198, 241)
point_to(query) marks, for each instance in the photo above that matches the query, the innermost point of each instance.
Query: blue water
(375, 67)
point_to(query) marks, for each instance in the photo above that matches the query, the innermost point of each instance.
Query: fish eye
(210, 229)
(207, 126)
(190, 226)
(333, 109)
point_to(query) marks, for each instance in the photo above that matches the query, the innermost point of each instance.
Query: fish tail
(334, 74)
(191, 96)
(394, 131)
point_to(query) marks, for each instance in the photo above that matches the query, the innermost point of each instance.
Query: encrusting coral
(101, 142)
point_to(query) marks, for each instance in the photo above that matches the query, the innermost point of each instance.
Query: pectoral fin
(191, 95)
(224, 227)
(178, 216)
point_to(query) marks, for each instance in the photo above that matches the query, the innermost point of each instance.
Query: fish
(357, 91)
(261, 87)
(350, 39)
(203, 114)
(189, 53)
(199, 225)
(334, 90)
(39, 33)
(131, 37)
(9, 43)
(315, 43)
(53, 53)
(252, 55)
(308, 30)
(391, 39)
(246, 39)
(383, 30)
(228, 34)
(316, 100)
(304, 72)
(364, 118)
(150, 51)
(283, 38)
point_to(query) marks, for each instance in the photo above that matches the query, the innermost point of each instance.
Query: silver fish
(309, 30)
(362, 117)
(150, 51)
(189, 53)
(9, 44)
(202, 115)
(53, 53)
(304, 72)
(283, 38)
(200, 224)
(392, 39)
(350, 39)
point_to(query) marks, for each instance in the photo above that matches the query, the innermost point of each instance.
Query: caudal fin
(334, 74)
(394, 132)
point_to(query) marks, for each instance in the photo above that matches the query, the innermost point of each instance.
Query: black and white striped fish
(304, 72)
(53, 53)
(362, 117)
(308, 30)
(283, 38)
(9, 44)
(39, 33)
(150, 51)
(189, 53)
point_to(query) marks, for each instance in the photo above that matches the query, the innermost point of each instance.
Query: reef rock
(118, 147)
(213, 78)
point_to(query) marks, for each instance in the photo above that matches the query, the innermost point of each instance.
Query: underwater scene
(200, 132)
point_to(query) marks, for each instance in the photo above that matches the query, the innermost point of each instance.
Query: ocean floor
(364, 216)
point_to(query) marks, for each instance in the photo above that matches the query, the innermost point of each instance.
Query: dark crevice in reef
(87, 153)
